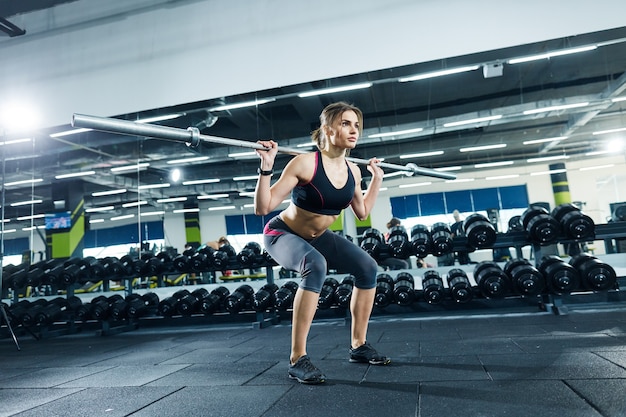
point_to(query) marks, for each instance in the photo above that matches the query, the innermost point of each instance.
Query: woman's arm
(362, 204)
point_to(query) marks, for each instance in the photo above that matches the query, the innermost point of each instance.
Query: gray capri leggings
(312, 258)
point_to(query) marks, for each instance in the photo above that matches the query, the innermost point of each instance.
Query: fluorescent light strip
(597, 167)
(134, 204)
(421, 155)
(25, 203)
(188, 160)
(494, 164)
(551, 54)
(211, 196)
(547, 158)
(246, 194)
(110, 192)
(616, 99)
(205, 181)
(14, 141)
(246, 178)
(171, 199)
(150, 186)
(98, 209)
(240, 154)
(96, 221)
(34, 216)
(249, 205)
(470, 121)
(305, 145)
(595, 153)
(126, 216)
(452, 168)
(75, 174)
(152, 213)
(242, 104)
(335, 90)
(555, 108)
(604, 132)
(396, 133)
(160, 118)
(70, 132)
(502, 177)
(418, 184)
(28, 229)
(222, 208)
(461, 180)
(483, 148)
(130, 167)
(8, 184)
(535, 141)
(554, 171)
(8, 231)
(394, 174)
(5, 220)
(188, 210)
(438, 73)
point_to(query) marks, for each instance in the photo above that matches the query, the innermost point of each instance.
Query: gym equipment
(421, 242)
(343, 293)
(595, 274)
(432, 285)
(249, 254)
(265, 297)
(327, 293)
(384, 290)
(190, 303)
(141, 305)
(214, 302)
(491, 280)
(515, 224)
(526, 280)
(479, 231)
(561, 277)
(239, 299)
(55, 308)
(101, 306)
(192, 137)
(167, 306)
(398, 242)
(441, 236)
(372, 242)
(459, 286)
(404, 289)
(285, 295)
(540, 227)
(574, 223)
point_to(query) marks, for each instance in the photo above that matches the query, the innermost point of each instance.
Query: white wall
(74, 60)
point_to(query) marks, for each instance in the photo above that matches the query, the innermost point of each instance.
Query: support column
(192, 227)
(560, 186)
(66, 240)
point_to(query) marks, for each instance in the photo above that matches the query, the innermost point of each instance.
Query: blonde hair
(329, 116)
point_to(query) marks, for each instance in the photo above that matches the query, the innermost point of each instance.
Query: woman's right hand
(267, 157)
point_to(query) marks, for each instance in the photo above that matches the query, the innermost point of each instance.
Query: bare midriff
(305, 223)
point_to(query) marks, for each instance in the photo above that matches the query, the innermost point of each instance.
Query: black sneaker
(305, 372)
(367, 354)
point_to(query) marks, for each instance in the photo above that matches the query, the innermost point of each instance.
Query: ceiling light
(187, 210)
(130, 167)
(222, 208)
(461, 180)
(110, 192)
(439, 73)
(211, 196)
(547, 158)
(240, 154)
(175, 175)
(171, 199)
(91, 221)
(483, 148)
(34, 216)
(596, 153)
(335, 90)
(241, 105)
(26, 203)
(246, 178)
(70, 132)
(5, 231)
(493, 164)
(551, 54)
(247, 194)
(134, 204)
(554, 171)
(420, 155)
(396, 133)
(305, 145)
(5, 220)
(502, 177)
(14, 141)
(470, 121)
(205, 181)
(394, 174)
(615, 145)
(597, 167)
(188, 160)
(151, 213)
(555, 108)
(28, 229)
(535, 141)
(452, 168)
(126, 216)
(604, 132)
(417, 184)
(249, 205)
(75, 174)
(151, 186)
(97, 209)
(8, 184)
(160, 118)
(616, 99)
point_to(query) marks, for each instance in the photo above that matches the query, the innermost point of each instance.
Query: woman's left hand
(377, 171)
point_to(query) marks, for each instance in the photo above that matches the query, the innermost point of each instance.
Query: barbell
(192, 137)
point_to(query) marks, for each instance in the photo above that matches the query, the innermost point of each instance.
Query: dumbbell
(101, 306)
(199, 261)
(441, 236)
(95, 270)
(327, 293)
(75, 271)
(515, 224)
(240, 299)
(167, 306)
(56, 308)
(17, 278)
(574, 223)
(112, 268)
(479, 231)
(130, 266)
(140, 306)
(525, 278)
(28, 317)
(249, 255)
(459, 285)
(398, 242)
(561, 277)
(214, 302)
(491, 280)
(384, 290)
(421, 242)
(343, 293)
(265, 297)
(595, 274)
(432, 285)
(34, 277)
(539, 225)
(285, 295)
(372, 242)
(190, 303)
(404, 289)
(619, 214)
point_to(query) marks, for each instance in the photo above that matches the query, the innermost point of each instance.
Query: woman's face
(344, 131)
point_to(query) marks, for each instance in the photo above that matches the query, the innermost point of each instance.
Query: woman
(322, 184)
